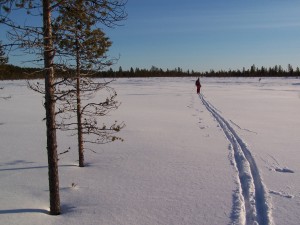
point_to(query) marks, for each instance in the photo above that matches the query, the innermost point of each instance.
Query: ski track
(250, 201)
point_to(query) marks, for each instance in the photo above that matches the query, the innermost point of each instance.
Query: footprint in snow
(281, 194)
(284, 170)
(275, 166)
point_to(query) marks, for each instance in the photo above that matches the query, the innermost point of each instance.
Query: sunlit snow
(228, 156)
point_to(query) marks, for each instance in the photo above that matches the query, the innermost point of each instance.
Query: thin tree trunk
(79, 116)
(50, 111)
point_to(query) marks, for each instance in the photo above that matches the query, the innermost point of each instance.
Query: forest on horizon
(11, 72)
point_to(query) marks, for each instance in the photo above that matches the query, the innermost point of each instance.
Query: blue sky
(204, 35)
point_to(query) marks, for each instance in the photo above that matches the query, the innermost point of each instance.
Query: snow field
(182, 162)
(264, 114)
(254, 207)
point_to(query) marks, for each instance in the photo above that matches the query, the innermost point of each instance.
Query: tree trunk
(50, 111)
(79, 115)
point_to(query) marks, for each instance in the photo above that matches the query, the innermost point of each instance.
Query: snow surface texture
(228, 156)
(253, 207)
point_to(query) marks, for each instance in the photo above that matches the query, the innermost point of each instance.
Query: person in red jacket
(198, 85)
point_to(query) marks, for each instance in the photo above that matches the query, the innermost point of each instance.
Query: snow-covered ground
(228, 156)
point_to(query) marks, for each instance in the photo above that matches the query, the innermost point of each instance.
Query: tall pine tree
(33, 39)
(83, 47)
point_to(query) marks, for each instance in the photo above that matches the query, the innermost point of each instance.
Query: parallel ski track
(253, 205)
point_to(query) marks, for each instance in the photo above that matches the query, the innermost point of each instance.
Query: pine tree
(290, 69)
(38, 40)
(30, 39)
(80, 42)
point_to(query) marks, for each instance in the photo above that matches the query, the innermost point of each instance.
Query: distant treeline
(11, 72)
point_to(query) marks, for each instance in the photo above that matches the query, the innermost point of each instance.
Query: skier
(198, 85)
